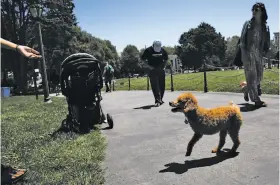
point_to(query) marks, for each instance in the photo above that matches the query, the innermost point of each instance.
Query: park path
(147, 145)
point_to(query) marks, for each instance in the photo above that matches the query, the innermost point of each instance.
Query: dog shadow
(145, 107)
(247, 107)
(182, 168)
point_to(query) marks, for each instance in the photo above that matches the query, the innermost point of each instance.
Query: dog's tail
(233, 105)
(237, 116)
(230, 103)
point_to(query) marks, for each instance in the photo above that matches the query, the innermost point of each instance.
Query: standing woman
(254, 44)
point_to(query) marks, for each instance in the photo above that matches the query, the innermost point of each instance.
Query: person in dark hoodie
(253, 45)
(156, 59)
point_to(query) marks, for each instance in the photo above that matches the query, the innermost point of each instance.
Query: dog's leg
(236, 142)
(222, 141)
(192, 142)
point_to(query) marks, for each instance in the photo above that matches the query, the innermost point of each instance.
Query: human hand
(28, 52)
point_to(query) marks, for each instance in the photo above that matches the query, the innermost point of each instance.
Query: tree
(199, 44)
(15, 26)
(103, 50)
(170, 50)
(61, 36)
(231, 44)
(130, 59)
(18, 26)
(57, 29)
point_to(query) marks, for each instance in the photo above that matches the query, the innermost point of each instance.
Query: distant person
(108, 74)
(156, 58)
(9, 174)
(254, 44)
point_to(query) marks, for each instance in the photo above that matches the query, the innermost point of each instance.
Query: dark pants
(157, 79)
(108, 83)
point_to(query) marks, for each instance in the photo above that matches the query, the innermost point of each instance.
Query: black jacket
(155, 59)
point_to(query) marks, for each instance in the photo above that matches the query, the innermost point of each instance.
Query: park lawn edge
(65, 159)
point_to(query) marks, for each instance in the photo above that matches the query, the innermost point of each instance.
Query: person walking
(156, 59)
(108, 74)
(254, 43)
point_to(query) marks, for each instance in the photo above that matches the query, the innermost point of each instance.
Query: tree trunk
(23, 85)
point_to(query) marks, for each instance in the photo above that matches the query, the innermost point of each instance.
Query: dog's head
(184, 103)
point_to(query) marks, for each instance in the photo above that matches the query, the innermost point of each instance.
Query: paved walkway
(148, 145)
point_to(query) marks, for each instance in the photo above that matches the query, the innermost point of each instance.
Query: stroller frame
(74, 121)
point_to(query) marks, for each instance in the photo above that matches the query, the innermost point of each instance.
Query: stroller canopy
(78, 59)
(83, 63)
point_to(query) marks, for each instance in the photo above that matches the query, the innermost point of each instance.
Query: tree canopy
(62, 36)
(199, 44)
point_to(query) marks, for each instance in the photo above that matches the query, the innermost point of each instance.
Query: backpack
(109, 71)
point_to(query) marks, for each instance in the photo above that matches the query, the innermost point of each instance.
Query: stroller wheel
(110, 121)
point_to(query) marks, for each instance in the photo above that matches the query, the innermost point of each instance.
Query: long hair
(261, 6)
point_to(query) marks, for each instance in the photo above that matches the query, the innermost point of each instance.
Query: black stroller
(81, 83)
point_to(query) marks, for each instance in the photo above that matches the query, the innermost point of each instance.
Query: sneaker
(11, 175)
(260, 104)
(157, 104)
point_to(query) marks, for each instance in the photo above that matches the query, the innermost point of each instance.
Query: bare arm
(23, 50)
(8, 45)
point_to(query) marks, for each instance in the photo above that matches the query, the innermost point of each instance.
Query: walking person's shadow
(182, 168)
(145, 107)
(247, 107)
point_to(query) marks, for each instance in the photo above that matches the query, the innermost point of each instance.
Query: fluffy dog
(224, 119)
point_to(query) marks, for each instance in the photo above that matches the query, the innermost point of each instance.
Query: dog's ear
(189, 105)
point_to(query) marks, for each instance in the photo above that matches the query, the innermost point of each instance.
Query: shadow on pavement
(182, 168)
(247, 107)
(145, 107)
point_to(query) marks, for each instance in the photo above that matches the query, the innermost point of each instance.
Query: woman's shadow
(247, 107)
(182, 168)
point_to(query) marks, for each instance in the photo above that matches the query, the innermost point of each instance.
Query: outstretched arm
(8, 45)
(23, 50)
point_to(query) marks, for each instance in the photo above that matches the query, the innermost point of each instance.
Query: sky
(140, 22)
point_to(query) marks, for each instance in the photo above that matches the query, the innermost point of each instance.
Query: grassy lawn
(26, 143)
(218, 81)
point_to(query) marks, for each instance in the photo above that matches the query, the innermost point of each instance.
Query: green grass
(217, 81)
(66, 159)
